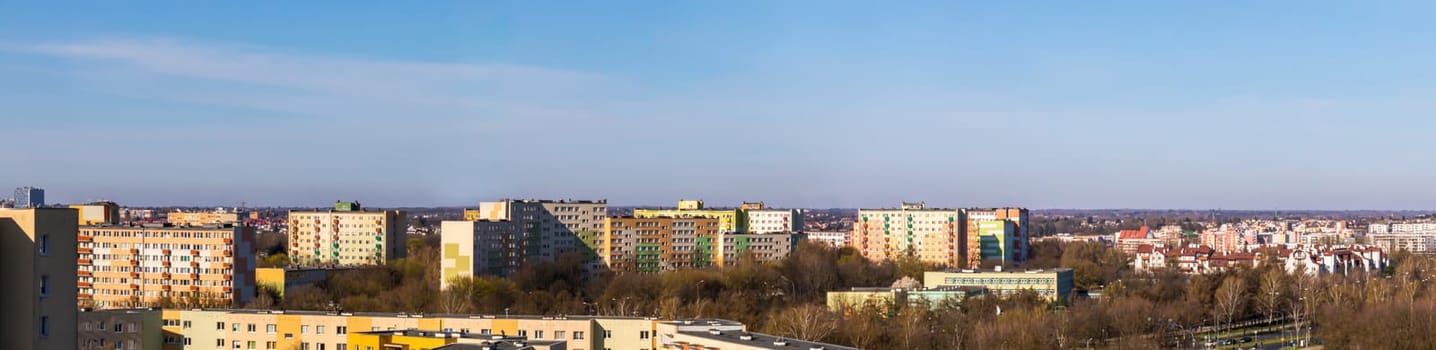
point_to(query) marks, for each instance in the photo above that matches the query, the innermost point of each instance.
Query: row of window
(157, 234)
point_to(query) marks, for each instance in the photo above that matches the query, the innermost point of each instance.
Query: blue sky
(1164, 104)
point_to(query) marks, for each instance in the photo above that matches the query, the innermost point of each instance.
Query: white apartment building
(775, 220)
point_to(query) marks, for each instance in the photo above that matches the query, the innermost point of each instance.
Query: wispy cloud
(271, 79)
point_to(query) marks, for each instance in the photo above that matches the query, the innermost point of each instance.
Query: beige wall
(26, 265)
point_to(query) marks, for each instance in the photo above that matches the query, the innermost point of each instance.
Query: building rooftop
(758, 340)
(404, 315)
(1059, 269)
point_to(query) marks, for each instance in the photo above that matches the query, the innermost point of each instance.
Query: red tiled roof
(1133, 234)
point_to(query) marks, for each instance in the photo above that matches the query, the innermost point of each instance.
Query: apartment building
(552, 227)
(39, 264)
(761, 246)
(765, 220)
(150, 265)
(319, 330)
(933, 235)
(219, 216)
(729, 220)
(1053, 284)
(98, 213)
(120, 329)
(996, 241)
(835, 239)
(347, 235)
(482, 247)
(660, 243)
(1020, 235)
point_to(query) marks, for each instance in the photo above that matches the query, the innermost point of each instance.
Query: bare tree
(1230, 298)
(808, 321)
(1271, 292)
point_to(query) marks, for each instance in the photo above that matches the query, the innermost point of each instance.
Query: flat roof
(760, 340)
(404, 315)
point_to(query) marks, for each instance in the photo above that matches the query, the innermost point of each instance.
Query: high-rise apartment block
(219, 216)
(480, 247)
(141, 266)
(98, 213)
(39, 273)
(666, 244)
(29, 197)
(1013, 250)
(347, 235)
(948, 237)
(500, 236)
(931, 234)
(660, 243)
(764, 220)
(729, 220)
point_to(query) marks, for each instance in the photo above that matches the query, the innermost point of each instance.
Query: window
(578, 335)
(44, 286)
(219, 326)
(251, 328)
(523, 333)
(119, 327)
(558, 335)
(132, 328)
(319, 330)
(538, 334)
(288, 335)
(341, 330)
(607, 334)
(269, 345)
(642, 334)
(342, 346)
(250, 344)
(304, 329)
(269, 328)
(44, 245)
(44, 326)
(186, 341)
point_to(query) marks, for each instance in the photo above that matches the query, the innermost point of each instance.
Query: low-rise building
(835, 239)
(884, 298)
(219, 216)
(727, 335)
(128, 329)
(448, 340)
(285, 279)
(1055, 285)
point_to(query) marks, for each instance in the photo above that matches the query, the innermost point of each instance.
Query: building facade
(661, 243)
(39, 269)
(764, 220)
(320, 330)
(761, 246)
(1055, 285)
(98, 213)
(140, 266)
(219, 216)
(553, 227)
(996, 241)
(347, 235)
(127, 329)
(835, 239)
(482, 247)
(975, 244)
(937, 236)
(729, 220)
(29, 197)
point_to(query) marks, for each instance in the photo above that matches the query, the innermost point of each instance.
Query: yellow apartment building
(39, 259)
(140, 266)
(346, 236)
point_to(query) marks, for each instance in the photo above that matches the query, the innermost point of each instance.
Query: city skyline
(1112, 105)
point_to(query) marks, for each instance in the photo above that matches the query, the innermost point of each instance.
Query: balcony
(83, 273)
(83, 284)
(194, 276)
(83, 250)
(228, 241)
(166, 263)
(165, 287)
(193, 288)
(84, 238)
(194, 264)
(194, 252)
(134, 286)
(166, 252)
(83, 295)
(228, 253)
(228, 276)
(134, 274)
(228, 289)
(165, 275)
(228, 265)
(134, 251)
(134, 262)
(85, 262)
